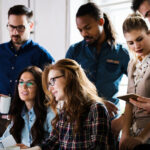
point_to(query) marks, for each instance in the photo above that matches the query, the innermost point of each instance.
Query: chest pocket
(112, 65)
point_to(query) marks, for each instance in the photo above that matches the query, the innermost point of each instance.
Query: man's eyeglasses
(29, 84)
(20, 28)
(53, 80)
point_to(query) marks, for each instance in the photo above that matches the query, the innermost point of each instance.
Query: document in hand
(8, 141)
(127, 96)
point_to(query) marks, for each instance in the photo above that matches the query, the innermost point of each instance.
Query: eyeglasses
(29, 84)
(20, 28)
(53, 80)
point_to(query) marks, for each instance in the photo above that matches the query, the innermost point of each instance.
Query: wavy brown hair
(39, 107)
(80, 93)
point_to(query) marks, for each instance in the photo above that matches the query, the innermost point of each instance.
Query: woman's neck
(29, 105)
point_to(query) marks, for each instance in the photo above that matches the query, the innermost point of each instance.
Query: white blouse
(140, 69)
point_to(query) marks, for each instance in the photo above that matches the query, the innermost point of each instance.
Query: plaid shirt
(95, 135)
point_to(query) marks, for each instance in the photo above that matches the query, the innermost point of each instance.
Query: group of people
(72, 103)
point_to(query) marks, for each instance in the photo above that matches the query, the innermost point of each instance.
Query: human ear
(31, 24)
(148, 32)
(101, 21)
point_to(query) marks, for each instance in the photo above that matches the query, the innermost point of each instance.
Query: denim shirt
(13, 61)
(105, 69)
(29, 119)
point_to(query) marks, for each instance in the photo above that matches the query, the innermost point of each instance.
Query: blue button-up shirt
(29, 119)
(105, 69)
(12, 62)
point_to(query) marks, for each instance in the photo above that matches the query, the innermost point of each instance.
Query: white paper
(1, 145)
(9, 141)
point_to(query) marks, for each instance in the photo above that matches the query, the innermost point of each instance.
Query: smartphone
(127, 96)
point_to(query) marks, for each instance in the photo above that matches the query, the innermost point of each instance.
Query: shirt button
(16, 55)
(10, 81)
(12, 68)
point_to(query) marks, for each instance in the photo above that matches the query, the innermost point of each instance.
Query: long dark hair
(40, 110)
(92, 10)
(80, 92)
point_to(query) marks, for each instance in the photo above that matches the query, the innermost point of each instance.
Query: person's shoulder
(49, 110)
(131, 62)
(50, 114)
(2, 45)
(78, 45)
(98, 109)
(37, 46)
(121, 48)
(122, 52)
(75, 49)
(41, 50)
(97, 106)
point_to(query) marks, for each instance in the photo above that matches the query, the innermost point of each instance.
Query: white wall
(74, 33)
(51, 24)
(50, 27)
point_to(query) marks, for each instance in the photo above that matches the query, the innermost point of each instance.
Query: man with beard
(20, 52)
(103, 61)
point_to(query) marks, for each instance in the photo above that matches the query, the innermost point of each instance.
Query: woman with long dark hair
(31, 120)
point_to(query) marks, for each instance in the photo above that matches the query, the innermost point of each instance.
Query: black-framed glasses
(20, 28)
(29, 84)
(53, 80)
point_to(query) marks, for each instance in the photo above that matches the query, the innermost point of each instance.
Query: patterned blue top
(29, 119)
(105, 70)
(12, 62)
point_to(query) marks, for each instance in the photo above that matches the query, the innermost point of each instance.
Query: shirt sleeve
(70, 52)
(7, 132)
(45, 58)
(102, 137)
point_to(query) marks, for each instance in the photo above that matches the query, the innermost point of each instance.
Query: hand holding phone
(127, 96)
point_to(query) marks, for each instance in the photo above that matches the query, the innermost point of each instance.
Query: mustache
(87, 37)
(15, 36)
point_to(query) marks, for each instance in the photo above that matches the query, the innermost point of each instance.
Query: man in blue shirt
(21, 51)
(103, 61)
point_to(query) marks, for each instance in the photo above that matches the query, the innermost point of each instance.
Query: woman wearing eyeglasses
(31, 120)
(82, 122)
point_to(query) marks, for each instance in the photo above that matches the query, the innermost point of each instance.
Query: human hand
(8, 117)
(22, 146)
(141, 102)
(31, 148)
(112, 109)
(130, 143)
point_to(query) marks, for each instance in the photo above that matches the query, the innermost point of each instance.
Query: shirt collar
(22, 46)
(105, 48)
(104, 45)
(24, 111)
